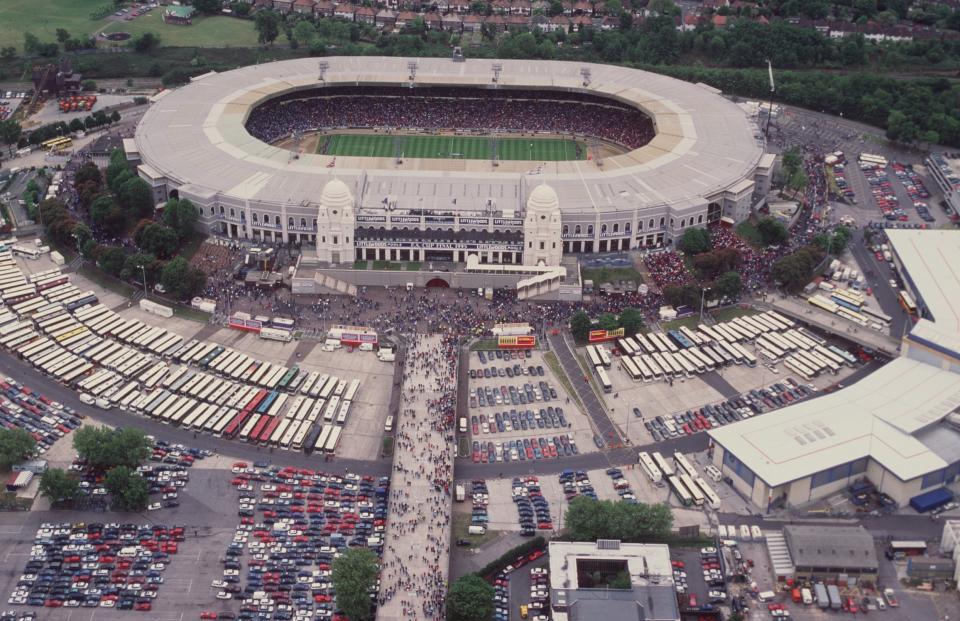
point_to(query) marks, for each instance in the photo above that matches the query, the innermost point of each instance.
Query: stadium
(492, 168)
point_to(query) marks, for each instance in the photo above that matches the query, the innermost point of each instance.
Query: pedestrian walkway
(598, 413)
(416, 559)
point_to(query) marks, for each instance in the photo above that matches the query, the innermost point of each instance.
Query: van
(744, 532)
(476, 529)
(103, 404)
(388, 426)
(713, 473)
(463, 424)
(86, 399)
(806, 596)
(766, 596)
(366, 347)
(524, 611)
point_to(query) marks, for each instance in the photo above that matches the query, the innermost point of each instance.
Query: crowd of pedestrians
(667, 268)
(387, 109)
(413, 579)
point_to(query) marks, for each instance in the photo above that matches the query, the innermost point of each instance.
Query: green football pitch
(457, 147)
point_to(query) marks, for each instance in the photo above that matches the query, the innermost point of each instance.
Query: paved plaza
(413, 580)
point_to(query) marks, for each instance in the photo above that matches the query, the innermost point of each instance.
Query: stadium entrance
(439, 255)
(437, 283)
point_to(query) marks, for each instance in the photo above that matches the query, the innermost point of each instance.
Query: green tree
(106, 448)
(118, 164)
(131, 267)
(146, 43)
(631, 320)
(58, 486)
(157, 239)
(181, 216)
(87, 173)
(305, 33)
(470, 599)
(607, 321)
(15, 446)
(663, 7)
(772, 231)
(580, 325)
(587, 519)
(88, 85)
(176, 77)
(10, 131)
(621, 581)
(112, 260)
(208, 7)
(613, 7)
(267, 25)
(795, 270)
(128, 490)
(729, 285)
(8, 52)
(136, 197)
(62, 35)
(682, 295)
(695, 241)
(354, 574)
(181, 280)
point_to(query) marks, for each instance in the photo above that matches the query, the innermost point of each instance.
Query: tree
(834, 241)
(580, 326)
(267, 25)
(695, 241)
(795, 270)
(682, 295)
(208, 7)
(112, 260)
(157, 239)
(115, 117)
(146, 43)
(613, 7)
(128, 490)
(15, 446)
(772, 232)
(607, 321)
(305, 33)
(8, 52)
(10, 131)
(620, 581)
(587, 519)
(663, 7)
(354, 574)
(133, 264)
(87, 172)
(62, 35)
(58, 486)
(631, 320)
(136, 197)
(181, 280)
(470, 599)
(175, 77)
(729, 286)
(181, 216)
(118, 164)
(88, 85)
(105, 448)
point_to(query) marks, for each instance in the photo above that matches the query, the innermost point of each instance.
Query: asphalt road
(878, 275)
(601, 422)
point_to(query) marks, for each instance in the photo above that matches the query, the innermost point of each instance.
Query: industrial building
(828, 554)
(575, 597)
(897, 427)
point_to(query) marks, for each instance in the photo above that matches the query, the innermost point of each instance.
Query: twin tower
(542, 226)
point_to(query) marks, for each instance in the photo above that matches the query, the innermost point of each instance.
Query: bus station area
(663, 385)
(142, 359)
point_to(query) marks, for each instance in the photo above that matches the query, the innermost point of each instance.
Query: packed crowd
(667, 268)
(413, 579)
(469, 111)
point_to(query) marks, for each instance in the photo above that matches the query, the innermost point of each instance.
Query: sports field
(456, 147)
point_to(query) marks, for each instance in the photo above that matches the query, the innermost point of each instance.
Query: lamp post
(79, 250)
(143, 270)
(703, 295)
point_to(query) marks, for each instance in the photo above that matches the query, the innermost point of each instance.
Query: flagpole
(766, 130)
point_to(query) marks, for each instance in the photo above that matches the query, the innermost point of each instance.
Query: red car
(208, 614)
(142, 606)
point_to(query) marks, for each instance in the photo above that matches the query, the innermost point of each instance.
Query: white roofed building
(892, 427)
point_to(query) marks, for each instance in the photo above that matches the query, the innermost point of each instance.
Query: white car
(224, 595)
(87, 399)
(154, 506)
(218, 584)
(107, 603)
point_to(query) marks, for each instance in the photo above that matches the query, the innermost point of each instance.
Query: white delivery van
(476, 529)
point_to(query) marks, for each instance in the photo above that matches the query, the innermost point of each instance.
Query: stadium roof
(931, 264)
(705, 144)
(891, 415)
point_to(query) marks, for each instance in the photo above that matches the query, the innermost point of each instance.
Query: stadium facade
(705, 161)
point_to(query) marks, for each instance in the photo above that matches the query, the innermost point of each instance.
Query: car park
(532, 508)
(21, 407)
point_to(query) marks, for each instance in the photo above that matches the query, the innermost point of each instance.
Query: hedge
(494, 567)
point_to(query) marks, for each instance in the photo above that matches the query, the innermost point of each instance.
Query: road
(602, 424)
(878, 275)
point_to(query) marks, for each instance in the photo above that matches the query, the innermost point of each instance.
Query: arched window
(213, 210)
(603, 229)
(221, 210)
(290, 221)
(663, 221)
(700, 219)
(650, 226)
(314, 223)
(303, 222)
(566, 229)
(232, 214)
(589, 229)
(616, 227)
(577, 230)
(254, 217)
(277, 220)
(683, 223)
(626, 228)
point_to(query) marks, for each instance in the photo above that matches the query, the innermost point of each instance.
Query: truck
(823, 600)
(836, 602)
(891, 599)
(805, 596)
(386, 354)
(460, 493)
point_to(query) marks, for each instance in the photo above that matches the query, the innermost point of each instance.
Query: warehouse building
(832, 553)
(896, 428)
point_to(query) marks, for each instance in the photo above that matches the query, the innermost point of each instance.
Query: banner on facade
(599, 336)
(517, 342)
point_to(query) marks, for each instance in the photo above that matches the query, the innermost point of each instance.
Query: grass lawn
(463, 446)
(484, 345)
(108, 283)
(413, 266)
(43, 17)
(387, 449)
(726, 314)
(386, 265)
(462, 147)
(690, 322)
(359, 265)
(190, 248)
(186, 312)
(601, 275)
(208, 31)
(461, 522)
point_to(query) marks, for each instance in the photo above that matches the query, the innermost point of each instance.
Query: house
(323, 8)
(609, 22)
(497, 22)
(433, 21)
(263, 4)
(459, 6)
(540, 5)
(365, 15)
(452, 22)
(582, 7)
(386, 19)
(559, 22)
(405, 18)
(541, 22)
(472, 23)
(500, 7)
(283, 6)
(303, 7)
(582, 21)
(517, 22)
(182, 15)
(688, 22)
(345, 11)
(719, 21)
